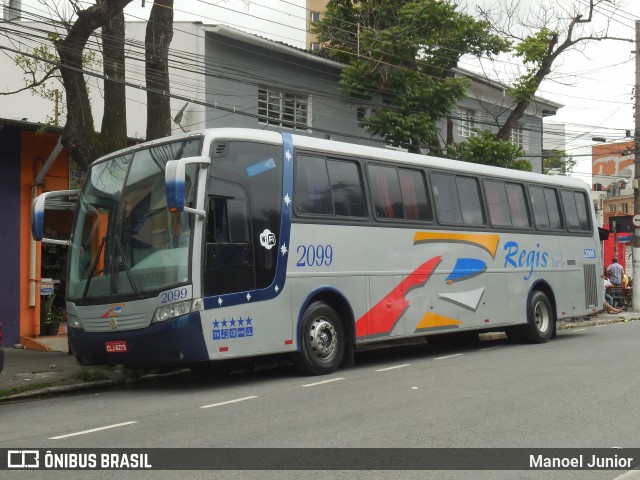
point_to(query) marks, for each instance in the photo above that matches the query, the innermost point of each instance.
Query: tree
(557, 162)
(400, 57)
(157, 40)
(79, 136)
(485, 148)
(554, 30)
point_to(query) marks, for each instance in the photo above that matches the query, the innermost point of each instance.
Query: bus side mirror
(37, 214)
(174, 181)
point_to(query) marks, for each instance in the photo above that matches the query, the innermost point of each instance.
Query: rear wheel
(540, 319)
(322, 340)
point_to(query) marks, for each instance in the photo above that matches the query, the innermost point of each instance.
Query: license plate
(116, 346)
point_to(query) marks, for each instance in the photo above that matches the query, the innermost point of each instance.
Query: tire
(540, 319)
(322, 341)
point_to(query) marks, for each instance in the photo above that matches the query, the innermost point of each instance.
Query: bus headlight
(171, 311)
(73, 321)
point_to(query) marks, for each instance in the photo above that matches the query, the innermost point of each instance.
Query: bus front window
(125, 241)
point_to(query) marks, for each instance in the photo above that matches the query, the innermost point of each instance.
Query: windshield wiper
(127, 268)
(93, 268)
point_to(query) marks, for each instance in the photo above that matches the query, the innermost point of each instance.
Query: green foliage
(534, 50)
(43, 78)
(558, 163)
(401, 55)
(49, 313)
(486, 149)
(91, 374)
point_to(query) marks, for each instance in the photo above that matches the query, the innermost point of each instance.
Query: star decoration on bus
(232, 323)
(287, 199)
(277, 289)
(288, 155)
(283, 249)
(216, 324)
(224, 323)
(220, 301)
(241, 321)
(248, 297)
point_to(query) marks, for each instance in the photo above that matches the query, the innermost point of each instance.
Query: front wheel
(322, 341)
(540, 319)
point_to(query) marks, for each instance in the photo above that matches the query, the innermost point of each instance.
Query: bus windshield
(124, 241)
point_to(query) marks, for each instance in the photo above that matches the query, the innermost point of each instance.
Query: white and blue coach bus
(234, 243)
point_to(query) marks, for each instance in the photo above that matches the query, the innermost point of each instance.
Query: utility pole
(635, 252)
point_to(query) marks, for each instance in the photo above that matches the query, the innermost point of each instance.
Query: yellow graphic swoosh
(489, 242)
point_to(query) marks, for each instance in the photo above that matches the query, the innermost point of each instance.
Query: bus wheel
(322, 341)
(540, 319)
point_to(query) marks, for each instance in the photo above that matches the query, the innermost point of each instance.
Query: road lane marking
(490, 348)
(578, 329)
(449, 356)
(392, 368)
(323, 382)
(92, 430)
(229, 402)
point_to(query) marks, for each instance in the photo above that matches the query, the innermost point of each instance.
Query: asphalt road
(578, 391)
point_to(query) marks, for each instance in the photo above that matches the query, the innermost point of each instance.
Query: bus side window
(506, 204)
(312, 189)
(546, 211)
(457, 199)
(346, 187)
(575, 211)
(385, 188)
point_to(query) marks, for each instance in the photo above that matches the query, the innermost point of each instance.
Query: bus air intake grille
(124, 322)
(591, 285)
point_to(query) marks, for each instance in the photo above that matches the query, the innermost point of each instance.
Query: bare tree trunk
(157, 40)
(79, 136)
(114, 120)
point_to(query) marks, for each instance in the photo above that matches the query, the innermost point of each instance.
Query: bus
(203, 249)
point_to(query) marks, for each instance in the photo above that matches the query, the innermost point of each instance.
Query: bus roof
(355, 150)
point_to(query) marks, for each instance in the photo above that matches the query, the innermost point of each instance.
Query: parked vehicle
(231, 243)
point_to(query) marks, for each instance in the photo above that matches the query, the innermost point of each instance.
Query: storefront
(30, 162)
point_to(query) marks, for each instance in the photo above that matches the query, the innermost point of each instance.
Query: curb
(98, 384)
(109, 383)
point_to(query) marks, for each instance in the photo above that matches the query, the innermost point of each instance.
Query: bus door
(229, 265)
(244, 204)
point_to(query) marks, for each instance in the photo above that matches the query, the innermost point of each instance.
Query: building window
(314, 16)
(517, 136)
(612, 207)
(625, 208)
(363, 113)
(283, 109)
(467, 122)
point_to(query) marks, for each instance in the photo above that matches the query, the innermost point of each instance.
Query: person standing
(615, 272)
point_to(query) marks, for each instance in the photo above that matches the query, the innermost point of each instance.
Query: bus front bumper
(172, 343)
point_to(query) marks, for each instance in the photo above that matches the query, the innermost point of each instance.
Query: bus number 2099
(314, 255)
(174, 295)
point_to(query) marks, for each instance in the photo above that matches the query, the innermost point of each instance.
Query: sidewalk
(28, 373)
